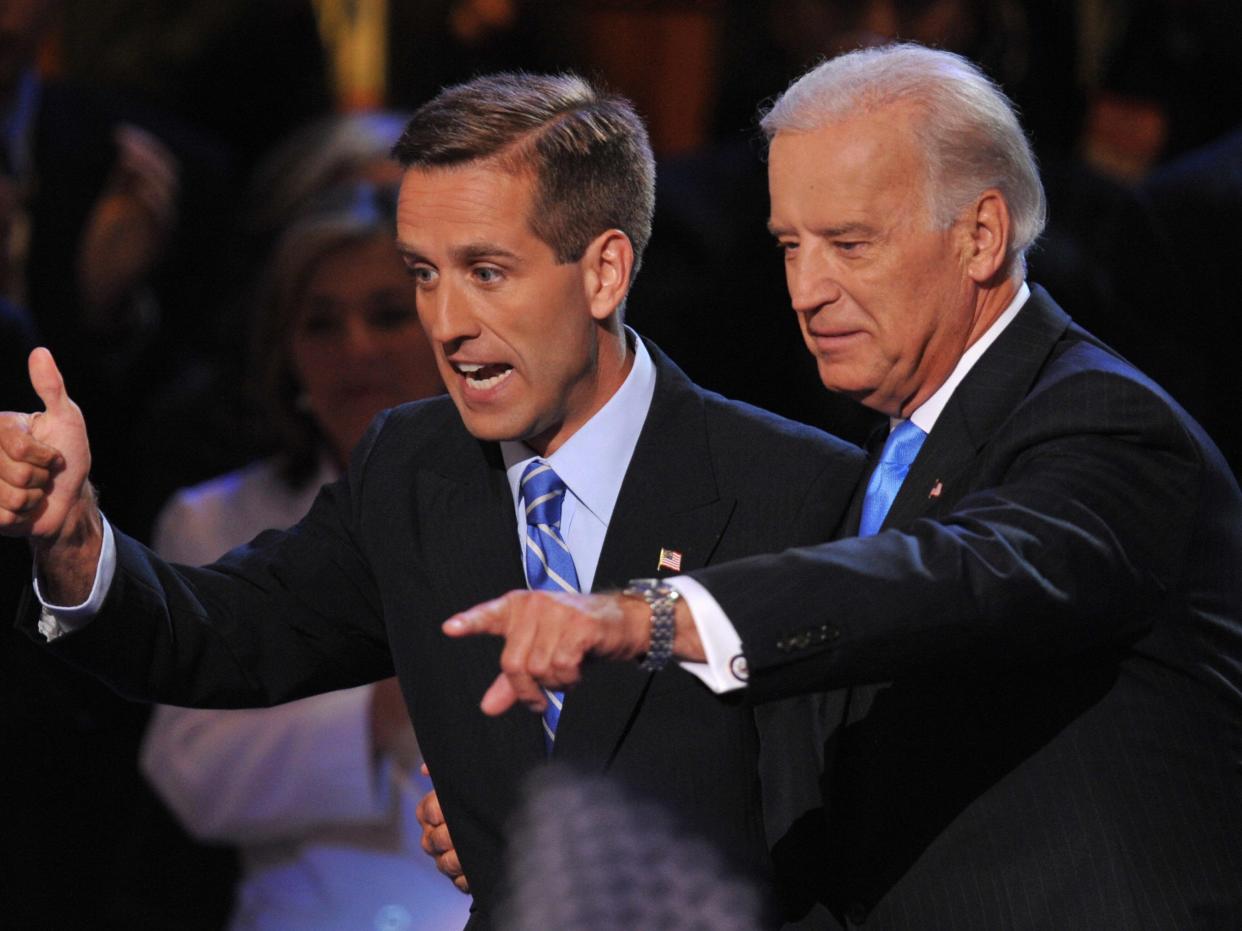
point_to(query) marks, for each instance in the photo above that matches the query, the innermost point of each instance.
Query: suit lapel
(987, 395)
(668, 500)
(470, 547)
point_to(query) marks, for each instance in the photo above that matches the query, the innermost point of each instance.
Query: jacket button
(856, 913)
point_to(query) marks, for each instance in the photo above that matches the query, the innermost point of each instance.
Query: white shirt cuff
(58, 620)
(725, 669)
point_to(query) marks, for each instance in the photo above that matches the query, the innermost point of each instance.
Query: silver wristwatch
(662, 599)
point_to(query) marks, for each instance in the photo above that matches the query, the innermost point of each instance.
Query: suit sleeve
(1070, 538)
(820, 513)
(290, 614)
(250, 776)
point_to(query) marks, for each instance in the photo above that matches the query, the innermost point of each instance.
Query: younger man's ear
(609, 262)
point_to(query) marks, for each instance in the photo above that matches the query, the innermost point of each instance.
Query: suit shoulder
(1087, 387)
(792, 483)
(435, 411)
(744, 432)
(1083, 364)
(416, 424)
(399, 438)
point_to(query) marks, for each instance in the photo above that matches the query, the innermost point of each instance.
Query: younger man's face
(514, 332)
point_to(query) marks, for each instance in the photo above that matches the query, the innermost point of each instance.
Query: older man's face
(881, 292)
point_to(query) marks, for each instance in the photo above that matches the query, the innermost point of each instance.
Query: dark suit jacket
(423, 526)
(1045, 729)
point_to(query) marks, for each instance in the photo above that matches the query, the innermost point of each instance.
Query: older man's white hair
(967, 128)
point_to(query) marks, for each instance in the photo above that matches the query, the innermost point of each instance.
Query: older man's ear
(990, 236)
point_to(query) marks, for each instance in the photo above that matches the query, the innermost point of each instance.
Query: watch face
(640, 587)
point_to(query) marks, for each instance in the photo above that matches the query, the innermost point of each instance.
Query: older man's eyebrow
(849, 229)
(828, 232)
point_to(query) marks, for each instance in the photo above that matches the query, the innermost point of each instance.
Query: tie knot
(543, 493)
(903, 444)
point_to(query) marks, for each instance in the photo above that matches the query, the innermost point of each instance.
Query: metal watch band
(662, 599)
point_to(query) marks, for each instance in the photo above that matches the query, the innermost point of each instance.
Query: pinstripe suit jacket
(1044, 655)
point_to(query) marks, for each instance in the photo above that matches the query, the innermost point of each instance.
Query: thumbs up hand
(44, 458)
(45, 461)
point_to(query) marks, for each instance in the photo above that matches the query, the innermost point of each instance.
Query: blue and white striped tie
(549, 565)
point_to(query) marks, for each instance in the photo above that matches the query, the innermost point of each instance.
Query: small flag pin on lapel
(936, 489)
(669, 559)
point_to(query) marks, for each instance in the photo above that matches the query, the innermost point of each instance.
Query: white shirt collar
(927, 413)
(593, 461)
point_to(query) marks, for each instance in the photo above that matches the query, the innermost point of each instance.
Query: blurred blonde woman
(318, 793)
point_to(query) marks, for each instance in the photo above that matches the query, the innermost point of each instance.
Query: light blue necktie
(900, 448)
(549, 565)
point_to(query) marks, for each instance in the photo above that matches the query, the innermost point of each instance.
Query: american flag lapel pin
(669, 559)
(936, 489)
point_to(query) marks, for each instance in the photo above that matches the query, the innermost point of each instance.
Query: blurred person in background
(88, 205)
(247, 72)
(326, 151)
(74, 173)
(1166, 80)
(114, 215)
(208, 410)
(318, 793)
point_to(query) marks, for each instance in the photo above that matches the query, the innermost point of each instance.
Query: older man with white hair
(1038, 616)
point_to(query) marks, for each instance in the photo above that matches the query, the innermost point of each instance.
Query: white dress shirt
(724, 671)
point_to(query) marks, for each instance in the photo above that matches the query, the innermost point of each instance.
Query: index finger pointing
(487, 618)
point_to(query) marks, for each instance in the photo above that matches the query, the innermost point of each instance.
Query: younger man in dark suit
(522, 217)
(1043, 635)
